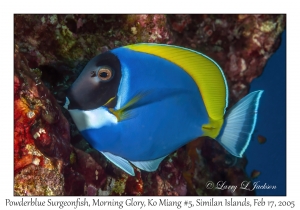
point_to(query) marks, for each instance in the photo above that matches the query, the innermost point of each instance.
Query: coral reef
(241, 44)
(52, 158)
(41, 134)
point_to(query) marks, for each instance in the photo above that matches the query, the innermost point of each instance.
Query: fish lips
(61, 98)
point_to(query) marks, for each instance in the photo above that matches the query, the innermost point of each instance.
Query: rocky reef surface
(50, 155)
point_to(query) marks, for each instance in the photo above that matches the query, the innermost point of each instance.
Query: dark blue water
(270, 158)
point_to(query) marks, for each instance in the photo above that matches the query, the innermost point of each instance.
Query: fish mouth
(64, 102)
(62, 99)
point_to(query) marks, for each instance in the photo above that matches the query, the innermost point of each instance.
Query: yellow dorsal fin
(206, 73)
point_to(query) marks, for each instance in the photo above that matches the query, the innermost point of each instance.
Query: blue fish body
(169, 114)
(158, 108)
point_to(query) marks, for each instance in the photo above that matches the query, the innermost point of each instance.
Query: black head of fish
(97, 84)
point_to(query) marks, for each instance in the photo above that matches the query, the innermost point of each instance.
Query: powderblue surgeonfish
(137, 104)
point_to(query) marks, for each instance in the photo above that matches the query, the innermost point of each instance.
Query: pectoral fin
(111, 102)
(124, 112)
(144, 98)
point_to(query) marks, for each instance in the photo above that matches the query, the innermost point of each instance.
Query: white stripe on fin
(120, 162)
(150, 165)
(239, 124)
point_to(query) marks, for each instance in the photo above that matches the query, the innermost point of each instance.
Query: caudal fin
(239, 124)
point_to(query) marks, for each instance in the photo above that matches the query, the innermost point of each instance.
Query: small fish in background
(261, 139)
(137, 104)
(254, 174)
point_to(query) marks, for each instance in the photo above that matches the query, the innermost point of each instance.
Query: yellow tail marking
(212, 129)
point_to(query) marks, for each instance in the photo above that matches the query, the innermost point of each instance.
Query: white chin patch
(92, 119)
(67, 103)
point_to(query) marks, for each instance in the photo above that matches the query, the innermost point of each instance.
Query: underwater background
(270, 158)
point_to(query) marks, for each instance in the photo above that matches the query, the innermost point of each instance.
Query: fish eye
(105, 73)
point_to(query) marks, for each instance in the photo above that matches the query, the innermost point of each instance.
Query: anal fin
(120, 162)
(150, 165)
